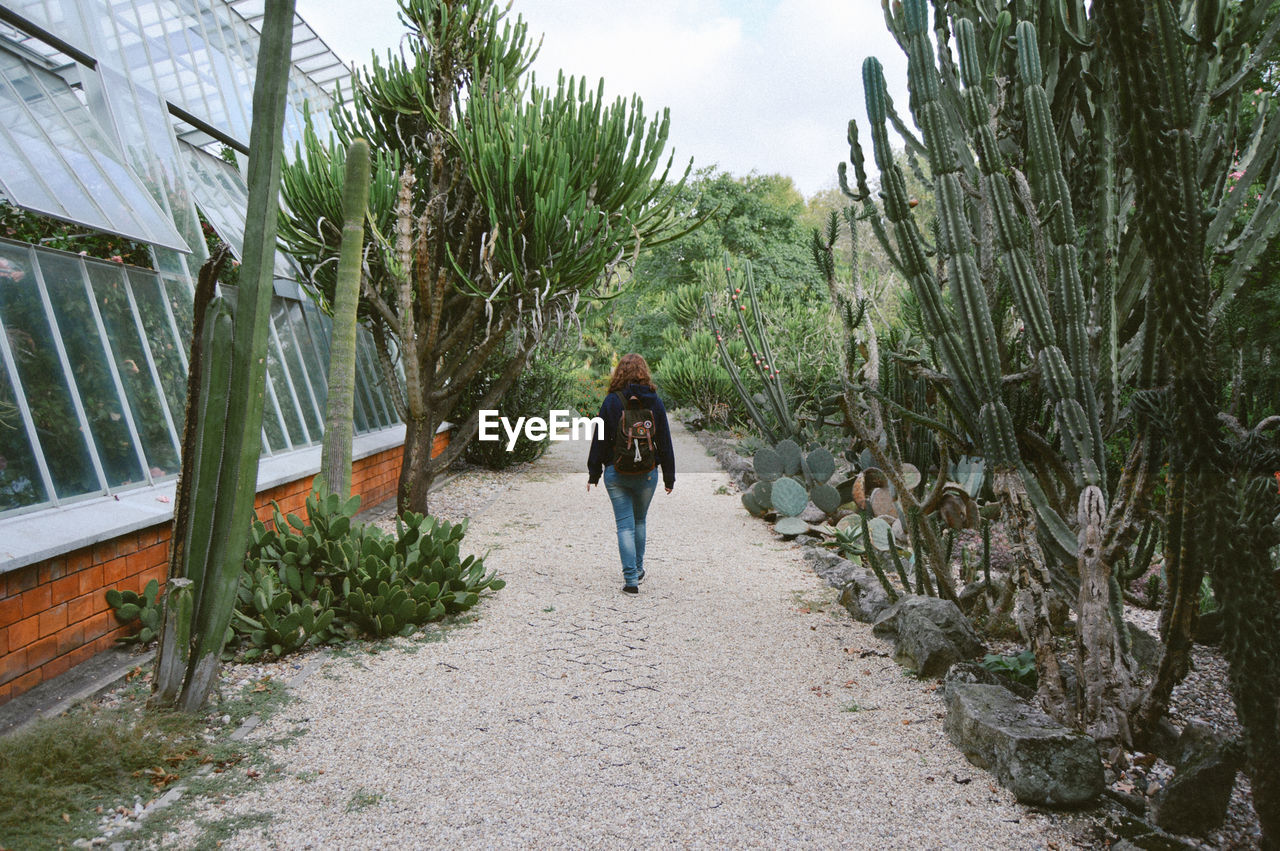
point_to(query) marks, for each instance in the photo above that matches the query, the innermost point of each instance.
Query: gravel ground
(730, 704)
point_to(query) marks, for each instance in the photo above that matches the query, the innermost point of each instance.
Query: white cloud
(764, 85)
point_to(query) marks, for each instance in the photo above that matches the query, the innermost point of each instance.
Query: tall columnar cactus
(1228, 471)
(1009, 220)
(335, 455)
(740, 284)
(223, 473)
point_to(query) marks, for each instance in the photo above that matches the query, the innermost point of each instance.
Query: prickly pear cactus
(789, 497)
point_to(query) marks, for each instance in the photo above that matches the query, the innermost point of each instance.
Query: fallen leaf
(849, 683)
(66, 817)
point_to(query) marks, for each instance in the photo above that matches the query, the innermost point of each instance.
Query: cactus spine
(335, 455)
(224, 480)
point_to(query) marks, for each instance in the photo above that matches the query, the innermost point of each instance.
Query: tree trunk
(1032, 573)
(1104, 673)
(417, 472)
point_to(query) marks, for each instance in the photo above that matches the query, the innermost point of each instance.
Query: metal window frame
(86, 433)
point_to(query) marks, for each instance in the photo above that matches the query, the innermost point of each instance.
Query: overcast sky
(752, 85)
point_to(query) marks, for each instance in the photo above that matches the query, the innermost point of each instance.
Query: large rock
(1032, 755)
(929, 634)
(1146, 648)
(863, 596)
(1195, 801)
(833, 569)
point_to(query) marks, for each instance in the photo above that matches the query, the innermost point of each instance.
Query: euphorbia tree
(496, 206)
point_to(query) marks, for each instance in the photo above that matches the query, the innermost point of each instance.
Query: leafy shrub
(691, 374)
(1020, 668)
(327, 579)
(544, 385)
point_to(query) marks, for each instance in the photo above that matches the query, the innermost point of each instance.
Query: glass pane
(88, 178)
(367, 375)
(303, 324)
(280, 383)
(43, 382)
(293, 360)
(150, 299)
(271, 425)
(20, 483)
(131, 362)
(180, 301)
(103, 407)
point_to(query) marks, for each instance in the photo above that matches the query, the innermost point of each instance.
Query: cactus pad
(820, 465)
(826, 497)
(767, 464)
(910, 476)
(881, 534)
(881, 503)
(752, 505)
(789, 497)
(791, 526)
(789, 450)
(763, 493)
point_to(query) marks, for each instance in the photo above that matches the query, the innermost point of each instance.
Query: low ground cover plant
(328, 579)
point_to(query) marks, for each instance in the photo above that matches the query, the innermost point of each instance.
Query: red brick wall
(53, 614)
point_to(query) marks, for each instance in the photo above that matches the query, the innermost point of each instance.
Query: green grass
(61, 775)
(87, 759)
(362, 799)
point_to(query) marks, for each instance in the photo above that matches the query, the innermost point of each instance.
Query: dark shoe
(640, 578)
(630, 589)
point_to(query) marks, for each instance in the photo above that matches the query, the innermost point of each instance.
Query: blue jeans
(630, 496)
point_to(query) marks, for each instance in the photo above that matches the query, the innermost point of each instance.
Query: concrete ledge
(29, 538)
(88, 679)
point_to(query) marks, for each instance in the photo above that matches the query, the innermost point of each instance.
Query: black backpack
(633, 448)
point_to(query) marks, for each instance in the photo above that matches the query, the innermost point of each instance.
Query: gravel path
(730, 704)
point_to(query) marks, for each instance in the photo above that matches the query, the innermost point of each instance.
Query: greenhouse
(109, 125)
(123, 143)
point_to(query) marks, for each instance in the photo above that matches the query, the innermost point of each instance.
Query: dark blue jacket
(611, 412)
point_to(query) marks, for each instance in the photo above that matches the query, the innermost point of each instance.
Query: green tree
(496, 208)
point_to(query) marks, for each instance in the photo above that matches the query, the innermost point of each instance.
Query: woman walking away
(636, 441)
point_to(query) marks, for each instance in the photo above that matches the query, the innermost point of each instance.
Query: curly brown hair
(631, 369)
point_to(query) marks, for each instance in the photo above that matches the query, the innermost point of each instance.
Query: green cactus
(335, 453)
(792, 458)
(826, 498)
(1033, 213)
(872, 560)
(144, 608)
(753, 505)
(741, 289)
(790, 526)
(819, 466)
(222, 473)
(767, 464)
(789, 497)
